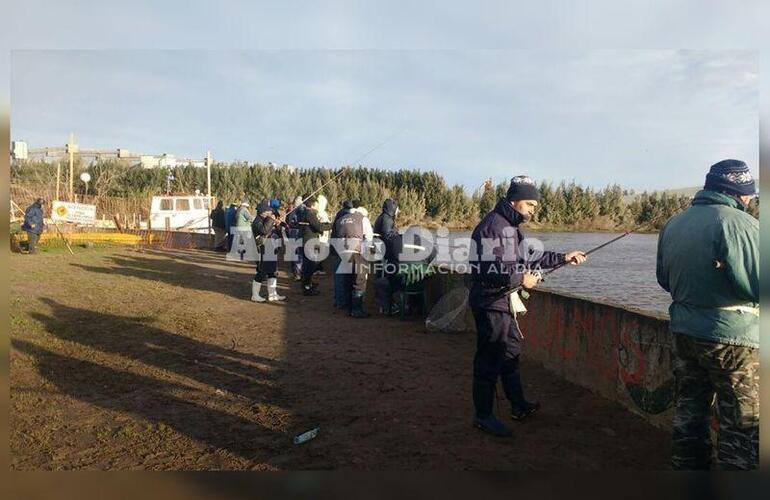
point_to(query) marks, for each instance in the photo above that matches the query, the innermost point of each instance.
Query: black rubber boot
(484, 419)
(520, 407)
(357, 307)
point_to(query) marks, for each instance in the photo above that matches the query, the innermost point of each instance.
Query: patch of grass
(128, 432)
(104, 434)
(18, 321)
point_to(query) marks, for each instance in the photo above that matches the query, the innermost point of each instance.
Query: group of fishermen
(707, 259)
(307, 223)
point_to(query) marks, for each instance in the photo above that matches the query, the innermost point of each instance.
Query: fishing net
(448, 315)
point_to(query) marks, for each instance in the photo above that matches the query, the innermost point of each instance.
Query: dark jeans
(498, 346)
(295, 264)
(360, 268)
(342, 286)
(308, 268)
(702, 370)
(265, 268)
(33, 238)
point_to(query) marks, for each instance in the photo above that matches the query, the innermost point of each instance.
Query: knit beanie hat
(264, 206)
(730, 177)
(522, 188)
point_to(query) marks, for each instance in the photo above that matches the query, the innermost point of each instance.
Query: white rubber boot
(272, 293)
(255, 288)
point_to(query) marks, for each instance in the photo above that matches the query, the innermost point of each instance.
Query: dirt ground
(153, 359)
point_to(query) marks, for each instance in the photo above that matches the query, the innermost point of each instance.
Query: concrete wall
(621, 354)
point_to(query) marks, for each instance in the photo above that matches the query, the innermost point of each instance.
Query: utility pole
(71, 150)
(58, 178)
(208, 184)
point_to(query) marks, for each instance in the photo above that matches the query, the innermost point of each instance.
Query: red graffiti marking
(631, 365)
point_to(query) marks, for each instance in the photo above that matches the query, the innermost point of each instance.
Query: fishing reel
(523, 293)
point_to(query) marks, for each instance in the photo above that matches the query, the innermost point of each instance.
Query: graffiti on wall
(601, 346)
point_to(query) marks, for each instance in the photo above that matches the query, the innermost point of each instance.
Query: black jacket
(385, 226)
(505, 266)
(218, 218)
(311, 226)
(265, 227)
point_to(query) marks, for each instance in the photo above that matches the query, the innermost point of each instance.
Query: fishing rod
(610, 242)
(345, 169)
(508, 289)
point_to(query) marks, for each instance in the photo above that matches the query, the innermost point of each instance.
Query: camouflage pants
(705, 369)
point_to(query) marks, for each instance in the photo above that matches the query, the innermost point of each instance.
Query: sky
(288, 83)
(649, 119)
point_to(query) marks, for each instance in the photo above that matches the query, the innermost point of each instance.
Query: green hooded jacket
(708, 259)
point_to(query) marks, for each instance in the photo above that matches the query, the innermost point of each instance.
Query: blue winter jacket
(293, 220)
(33, 219)
(504, 265)
(229, 217)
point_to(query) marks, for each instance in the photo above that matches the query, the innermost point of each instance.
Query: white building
(19, 150)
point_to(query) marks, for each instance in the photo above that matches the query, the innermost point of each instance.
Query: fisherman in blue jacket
(33, 223)
(230, 222)
(294, 219)
(497, 268)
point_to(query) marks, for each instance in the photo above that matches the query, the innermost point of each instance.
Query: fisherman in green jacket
(708, 259)
(243, 218)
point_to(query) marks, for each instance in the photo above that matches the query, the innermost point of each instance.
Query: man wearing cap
(708, 259)
(266, 230)
(356, 234)
(294, 219)
(33, 223)
(499, 266)
(243, 217)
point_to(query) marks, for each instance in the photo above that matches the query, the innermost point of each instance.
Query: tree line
(423, 197)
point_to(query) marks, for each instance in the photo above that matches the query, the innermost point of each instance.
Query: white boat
(180, 213)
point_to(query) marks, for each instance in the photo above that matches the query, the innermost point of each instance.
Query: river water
(622, 273)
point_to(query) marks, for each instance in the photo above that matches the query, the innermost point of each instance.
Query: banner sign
(79, 213)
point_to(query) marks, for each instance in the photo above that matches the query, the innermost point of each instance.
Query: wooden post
(58, 178)
(208, 184)
(71, 148)
(56, 224)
